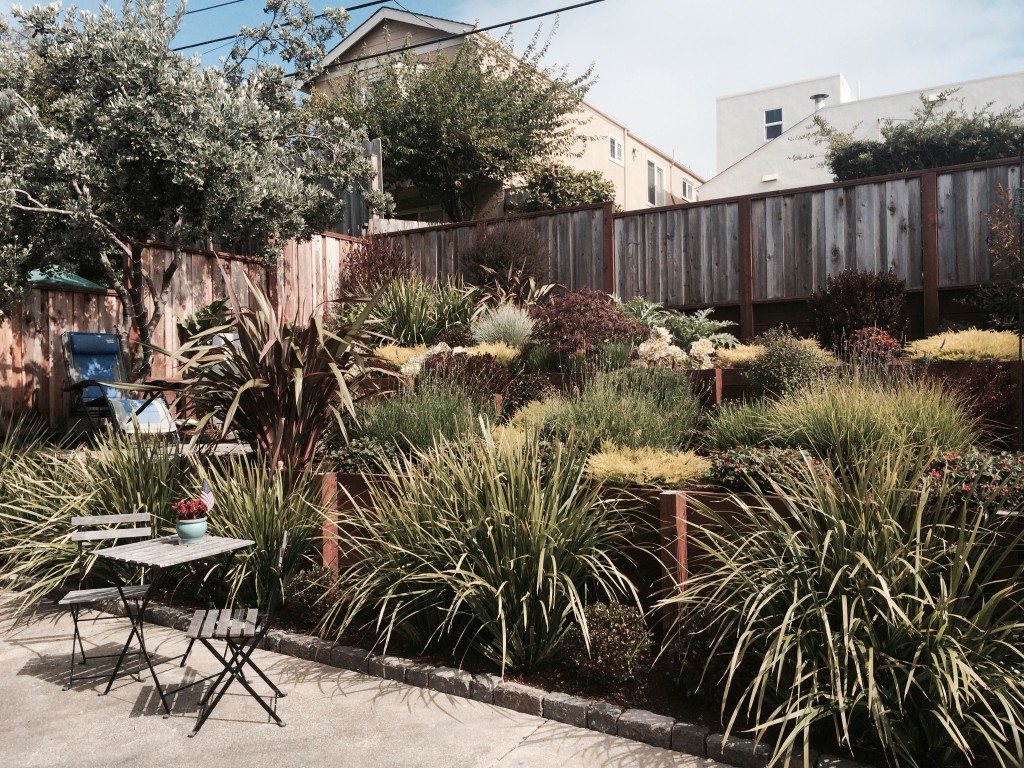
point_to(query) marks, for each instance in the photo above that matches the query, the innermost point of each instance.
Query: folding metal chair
(100, 528)
(242, 630)
(94, 363)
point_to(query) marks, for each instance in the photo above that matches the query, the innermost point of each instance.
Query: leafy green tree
(109, 140)
(560, 186)
(941, 132)
(458, 127)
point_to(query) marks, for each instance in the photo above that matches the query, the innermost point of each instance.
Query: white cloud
(662, 63)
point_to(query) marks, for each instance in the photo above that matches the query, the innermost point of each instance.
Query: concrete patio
(333, 716)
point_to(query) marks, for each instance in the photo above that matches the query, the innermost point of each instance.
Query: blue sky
(661, 63)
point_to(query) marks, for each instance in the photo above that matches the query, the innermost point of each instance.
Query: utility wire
(461, 35)
(211, 7)
(232, 37)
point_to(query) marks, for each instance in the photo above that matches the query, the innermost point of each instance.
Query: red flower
(189, 509)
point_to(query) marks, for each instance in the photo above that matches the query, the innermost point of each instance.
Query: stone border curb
(635, 724)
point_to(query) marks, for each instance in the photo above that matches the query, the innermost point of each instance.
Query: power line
(211, 7)
(232, 37)
(460, 35)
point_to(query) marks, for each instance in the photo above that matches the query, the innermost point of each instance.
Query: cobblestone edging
(636, 724)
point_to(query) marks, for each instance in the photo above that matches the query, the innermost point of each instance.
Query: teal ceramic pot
(191, 531)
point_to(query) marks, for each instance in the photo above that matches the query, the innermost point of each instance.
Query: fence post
(329, 528)
(608, 236)
(930, 250)
(673, 550)
(746, 245)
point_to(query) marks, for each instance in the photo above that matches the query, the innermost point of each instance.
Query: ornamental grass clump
(44, 488)
(864, 610)
(495, 546)
(413, 311)
(845, 418)
(261, 503)
(632, 408)
(505, 324)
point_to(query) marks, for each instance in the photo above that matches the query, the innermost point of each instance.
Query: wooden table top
(168, 550)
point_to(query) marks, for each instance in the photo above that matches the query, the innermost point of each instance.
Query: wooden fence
(579, 242)
(32, 371)
(753, 252)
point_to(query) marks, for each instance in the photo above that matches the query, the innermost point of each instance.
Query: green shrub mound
(620, 648)
(741, 470)
(416, 419)
(491, 545)
(992, 481)
(845, 418)
(631, 408)
(866, 610)
(784, 365)
(509, 251)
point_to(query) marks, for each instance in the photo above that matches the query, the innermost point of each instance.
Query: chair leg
(188, 652)
(78, 634)
(240, 657)
(76, 639)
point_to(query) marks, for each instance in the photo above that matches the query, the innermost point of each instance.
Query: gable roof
(352, 42)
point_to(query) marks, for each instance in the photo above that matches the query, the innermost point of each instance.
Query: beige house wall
(592, 153)
(630, 174)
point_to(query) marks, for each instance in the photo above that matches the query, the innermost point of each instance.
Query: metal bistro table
(161, 554)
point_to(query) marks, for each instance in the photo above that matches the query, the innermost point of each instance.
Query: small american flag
(206, 495)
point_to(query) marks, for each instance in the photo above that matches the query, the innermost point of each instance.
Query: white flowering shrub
(659, 351)
(701, 354)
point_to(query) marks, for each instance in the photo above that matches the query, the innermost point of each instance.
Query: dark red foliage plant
(872, 343)
(579, 321)
(374, 262)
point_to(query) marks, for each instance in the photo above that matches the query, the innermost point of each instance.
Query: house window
(615, 149)
(655, 183)
(772, 123)
(687, 190)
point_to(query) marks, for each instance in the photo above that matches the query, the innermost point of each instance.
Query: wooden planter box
(338, 491)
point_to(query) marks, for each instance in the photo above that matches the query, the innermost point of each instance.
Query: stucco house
(762, 142)
(643, 175)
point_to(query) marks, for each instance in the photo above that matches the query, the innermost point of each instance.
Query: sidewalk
(334, 717)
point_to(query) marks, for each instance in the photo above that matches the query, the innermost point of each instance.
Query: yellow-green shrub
(396, 355)
(399, 356)
(646, 466)
(533, 415)
(743, 355)
(971, 344)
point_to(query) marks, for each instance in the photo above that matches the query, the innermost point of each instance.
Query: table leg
(136, 632)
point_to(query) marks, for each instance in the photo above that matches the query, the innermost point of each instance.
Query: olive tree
(109, 141)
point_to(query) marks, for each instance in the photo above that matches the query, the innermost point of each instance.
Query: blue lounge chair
(94, 368)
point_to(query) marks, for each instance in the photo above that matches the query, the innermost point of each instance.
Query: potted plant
(191, 516)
